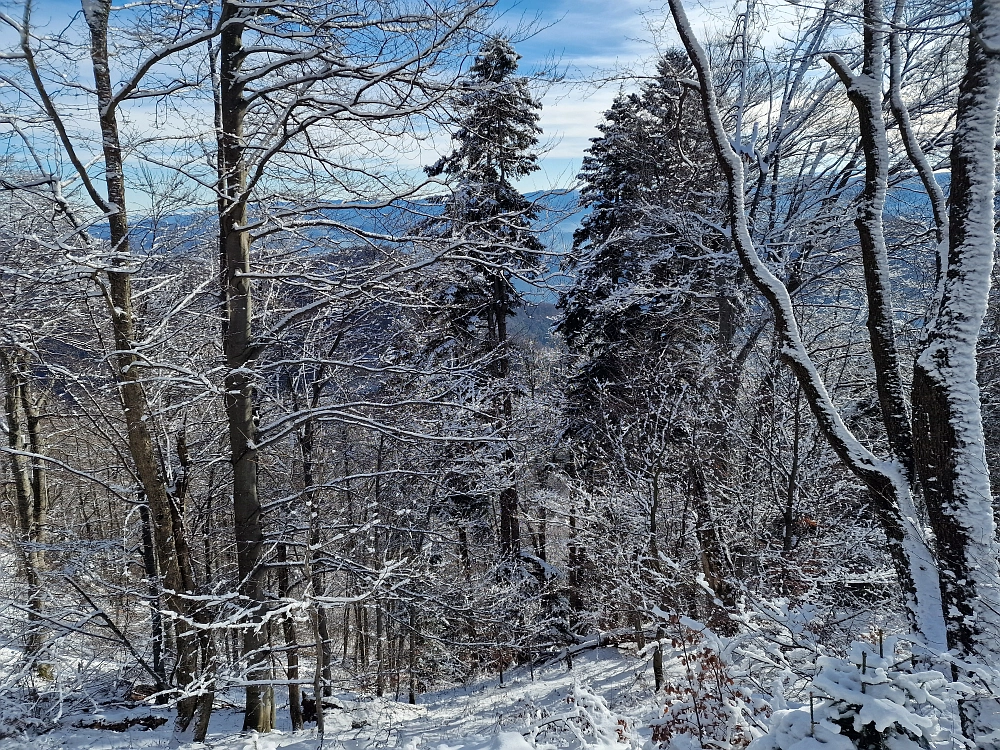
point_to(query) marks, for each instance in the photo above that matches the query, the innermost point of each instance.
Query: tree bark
(291, 643)
(658, 659)
(865, 91)
(30, 491)
(379, 650)
(950, 456)
(714, 558)
(239, 354)
(118, 294)
(307, 440)
(156, 619)
(412, 656)
(891, 494)
(510, 528)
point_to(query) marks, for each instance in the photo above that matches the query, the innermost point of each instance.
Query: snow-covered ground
(484, 716)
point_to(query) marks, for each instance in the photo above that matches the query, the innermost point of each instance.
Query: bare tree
(359, 68)
(114, 279)
(948, 440)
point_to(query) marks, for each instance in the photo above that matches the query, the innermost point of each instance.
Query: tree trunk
(118, 294)
(412, 660)
(894, 505)
(345, 643)
(379, 650)
(575, 566)
(117, 291)
(30, 491)
(714, 557)
(291, 643)
(865, 91)
(950, 444)
(240, 354)
(658, 659)
(510, 528)
(306, 441)
(153, 576)
(891, 494)
(118, 297)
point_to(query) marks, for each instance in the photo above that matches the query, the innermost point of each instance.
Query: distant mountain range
(559, 216)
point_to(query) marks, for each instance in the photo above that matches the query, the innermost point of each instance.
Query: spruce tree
(647, 315)
(491, 221)
(642, 293)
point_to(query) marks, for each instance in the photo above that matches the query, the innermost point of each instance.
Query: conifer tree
(648, 314)
(640, 293)
(494, 145)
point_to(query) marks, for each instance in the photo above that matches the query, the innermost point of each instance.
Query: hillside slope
(541, 709)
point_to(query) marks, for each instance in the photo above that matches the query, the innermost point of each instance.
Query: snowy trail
(487, 707)
(482, 716)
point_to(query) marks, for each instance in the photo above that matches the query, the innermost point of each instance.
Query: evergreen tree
(492, 221)
(642, 292)
(648, 316)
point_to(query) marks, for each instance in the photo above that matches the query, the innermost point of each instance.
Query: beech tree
(32, 309)
(355, 76)
(114, 264)
(356, 72)
(227, 276)
(950, 605)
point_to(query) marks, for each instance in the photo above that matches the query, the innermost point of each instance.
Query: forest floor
(528, 710)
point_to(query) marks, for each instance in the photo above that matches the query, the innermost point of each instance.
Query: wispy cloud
(587, 39)
(602, 45)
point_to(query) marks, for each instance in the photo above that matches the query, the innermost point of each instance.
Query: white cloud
(590, 40)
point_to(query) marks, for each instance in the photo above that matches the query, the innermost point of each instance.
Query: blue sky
(586, 37)
(598, 38)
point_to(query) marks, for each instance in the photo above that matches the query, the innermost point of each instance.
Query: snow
(93, 11)
(550, 711)
(605, 702)
(923, 604)
(862, 691)
(950, 358)
(499, 741)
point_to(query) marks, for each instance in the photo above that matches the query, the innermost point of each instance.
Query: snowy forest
(323, 427)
